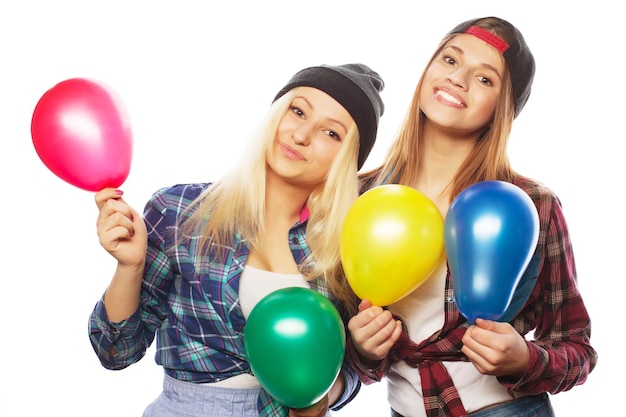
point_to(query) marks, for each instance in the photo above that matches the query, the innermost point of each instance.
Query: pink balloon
(81, 132)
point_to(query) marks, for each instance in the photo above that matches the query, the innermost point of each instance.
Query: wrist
(370, 363)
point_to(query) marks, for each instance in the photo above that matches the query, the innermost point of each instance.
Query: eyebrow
(484, 64)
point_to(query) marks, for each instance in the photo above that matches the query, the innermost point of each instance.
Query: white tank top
(257, 283)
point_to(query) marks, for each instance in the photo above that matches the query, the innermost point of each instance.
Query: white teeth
(448, 97)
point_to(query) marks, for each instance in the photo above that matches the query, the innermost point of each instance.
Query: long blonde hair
(235, 205)
(488, 160)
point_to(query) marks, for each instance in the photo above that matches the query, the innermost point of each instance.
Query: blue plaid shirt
(194, 313)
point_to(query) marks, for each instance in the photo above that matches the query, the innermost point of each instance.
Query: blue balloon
(490, 234)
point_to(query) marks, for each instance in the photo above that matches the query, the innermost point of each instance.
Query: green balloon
(295, 342)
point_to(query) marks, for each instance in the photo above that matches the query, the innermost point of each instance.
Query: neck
(441, 156)
(284, 201)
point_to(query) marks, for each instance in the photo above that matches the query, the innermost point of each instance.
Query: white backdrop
(196, 76)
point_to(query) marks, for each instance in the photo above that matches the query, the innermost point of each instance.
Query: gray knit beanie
(517, 55)
(356, 87)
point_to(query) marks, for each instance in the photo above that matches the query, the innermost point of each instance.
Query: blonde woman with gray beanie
(191, 269)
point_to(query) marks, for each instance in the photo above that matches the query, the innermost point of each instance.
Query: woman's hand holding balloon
(374, 331)
(121, 230)
(496, 348)
(123, 234)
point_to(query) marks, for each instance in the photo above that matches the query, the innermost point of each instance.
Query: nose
(458, 77)
(302, 134)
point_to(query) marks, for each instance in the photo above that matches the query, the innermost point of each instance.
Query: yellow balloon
(391, 241)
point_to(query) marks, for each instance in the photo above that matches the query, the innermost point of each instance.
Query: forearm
(122, 296)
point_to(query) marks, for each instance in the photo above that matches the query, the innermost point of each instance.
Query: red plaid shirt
(561, 355)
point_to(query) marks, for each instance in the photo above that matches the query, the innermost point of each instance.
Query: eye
(297, 111)
(334, 135)
(484, 80)
(449, 60)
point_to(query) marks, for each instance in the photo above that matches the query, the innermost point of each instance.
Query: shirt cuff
(367, 374)
(114, 330)
(516, 384)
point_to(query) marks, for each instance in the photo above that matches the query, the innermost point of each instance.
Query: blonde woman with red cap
(191, 269)
(455, 135)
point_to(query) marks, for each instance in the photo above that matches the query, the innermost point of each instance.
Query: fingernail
(119, 192)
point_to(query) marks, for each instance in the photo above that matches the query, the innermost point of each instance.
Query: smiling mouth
(449, 98)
